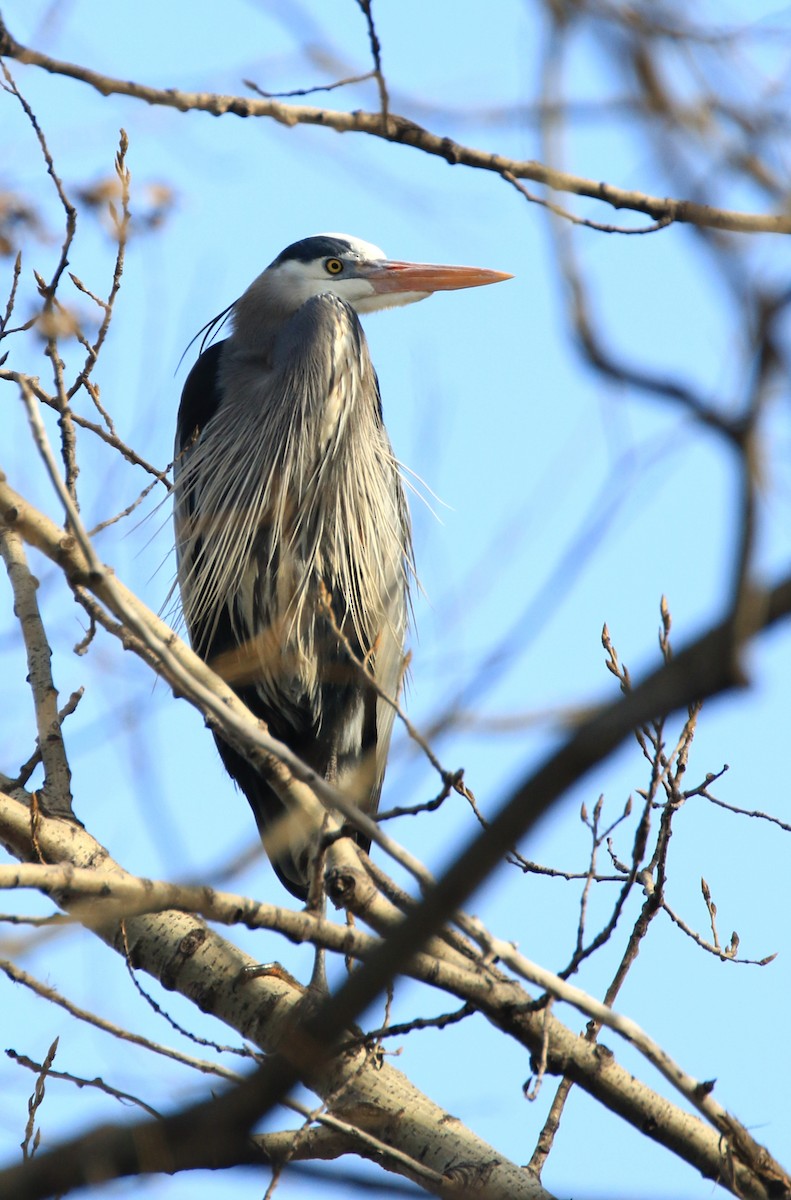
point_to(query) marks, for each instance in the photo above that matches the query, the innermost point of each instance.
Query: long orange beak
(392, 276)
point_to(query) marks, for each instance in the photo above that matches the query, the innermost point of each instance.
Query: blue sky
(564, 502)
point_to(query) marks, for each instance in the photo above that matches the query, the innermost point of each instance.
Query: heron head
(360, 273)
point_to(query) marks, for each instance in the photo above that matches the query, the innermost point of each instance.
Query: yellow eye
(333, 266)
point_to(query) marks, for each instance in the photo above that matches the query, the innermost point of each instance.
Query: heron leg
(317, 905)
(318, 985)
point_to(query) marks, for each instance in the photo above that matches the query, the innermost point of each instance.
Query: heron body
(292, 530)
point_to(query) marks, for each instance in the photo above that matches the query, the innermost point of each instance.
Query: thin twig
(48, 293)
(51, 994)
(31, 383)
(44, 1070)
(376, 52)
(311, 91)
(122, 233)
(32, 1138)
(558, 211)
(28, 767)
(125, 512)
(716, 950)
(450, 779)
(416, 1023)
(242, 1051)
(9, 308)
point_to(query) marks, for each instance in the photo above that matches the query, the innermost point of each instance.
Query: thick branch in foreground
(750, 1173)
(436, 1151)
(393, 128)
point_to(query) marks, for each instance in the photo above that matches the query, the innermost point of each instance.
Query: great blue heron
(292, 531)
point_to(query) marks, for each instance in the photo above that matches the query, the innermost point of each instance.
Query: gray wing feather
(289, 496)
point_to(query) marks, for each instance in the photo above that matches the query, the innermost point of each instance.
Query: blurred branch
(705, 667)
(399, 129)
(128, 896)
(50, 320)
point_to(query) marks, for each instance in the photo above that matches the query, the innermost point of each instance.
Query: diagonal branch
(394, 128)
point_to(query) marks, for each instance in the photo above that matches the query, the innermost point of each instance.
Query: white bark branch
(45, 696)
(747, 1172)
(187, 956)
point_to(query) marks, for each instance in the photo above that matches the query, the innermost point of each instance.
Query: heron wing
(288, 495)
(199, 400)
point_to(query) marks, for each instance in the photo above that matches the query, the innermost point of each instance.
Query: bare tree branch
(57, 785)
(268, 1009)
(158, 944)
(393, 128)
(366, 1108)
